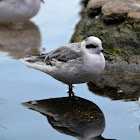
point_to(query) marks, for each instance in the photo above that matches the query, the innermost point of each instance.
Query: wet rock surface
(117, 24)
(117, 86)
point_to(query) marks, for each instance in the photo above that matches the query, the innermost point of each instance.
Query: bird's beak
(104, 51)
(43, 1)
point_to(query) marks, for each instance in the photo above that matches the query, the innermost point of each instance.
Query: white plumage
(73, 63)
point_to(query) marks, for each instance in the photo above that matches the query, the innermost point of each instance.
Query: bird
(73, 63)
(18, 10)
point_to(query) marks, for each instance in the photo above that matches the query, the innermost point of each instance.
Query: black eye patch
(90, 46)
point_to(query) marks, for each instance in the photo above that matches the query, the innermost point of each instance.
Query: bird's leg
(71, 93)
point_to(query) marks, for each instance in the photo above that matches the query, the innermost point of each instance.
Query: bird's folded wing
(64, 54)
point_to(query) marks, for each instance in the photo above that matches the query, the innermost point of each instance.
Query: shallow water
(52, 27)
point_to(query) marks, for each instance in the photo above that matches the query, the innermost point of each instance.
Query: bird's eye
(90, 46)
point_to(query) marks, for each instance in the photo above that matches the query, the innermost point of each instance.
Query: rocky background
(117, 24)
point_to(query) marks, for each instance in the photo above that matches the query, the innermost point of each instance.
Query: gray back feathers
(65, 53)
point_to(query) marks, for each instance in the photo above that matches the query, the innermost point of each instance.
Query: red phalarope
(73, 63)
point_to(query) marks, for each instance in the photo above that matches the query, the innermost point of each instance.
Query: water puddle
(91, 115)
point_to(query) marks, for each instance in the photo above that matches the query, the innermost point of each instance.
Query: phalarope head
(93, 45)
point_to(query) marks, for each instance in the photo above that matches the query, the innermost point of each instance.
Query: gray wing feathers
(65, 53)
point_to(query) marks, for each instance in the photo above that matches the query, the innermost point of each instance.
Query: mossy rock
(120, 36)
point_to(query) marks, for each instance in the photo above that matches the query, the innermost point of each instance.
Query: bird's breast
(95, 63)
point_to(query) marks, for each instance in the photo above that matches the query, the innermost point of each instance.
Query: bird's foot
(71, 93)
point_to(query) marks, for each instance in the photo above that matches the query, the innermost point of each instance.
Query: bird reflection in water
(74, 116)
(21, 42)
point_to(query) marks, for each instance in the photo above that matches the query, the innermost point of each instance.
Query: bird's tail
(34, 62)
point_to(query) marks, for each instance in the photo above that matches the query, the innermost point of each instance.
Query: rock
(85, 2)
(117, 24)
(134, 16)
(121, 37)
(114, 10)
(118, 10)
(117, 84)
(93, 4)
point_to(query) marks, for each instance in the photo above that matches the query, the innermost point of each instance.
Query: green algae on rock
(114, 28)
(117, 24)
